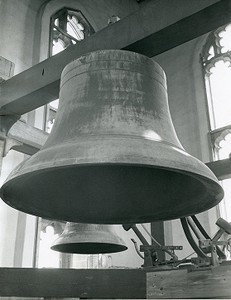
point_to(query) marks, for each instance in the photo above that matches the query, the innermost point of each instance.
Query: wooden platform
(201, 283)
(116, 283)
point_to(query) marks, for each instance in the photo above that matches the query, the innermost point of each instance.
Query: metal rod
(140, 236)
(137, 250)
(190, 238)
(155, 241)
(194, 228)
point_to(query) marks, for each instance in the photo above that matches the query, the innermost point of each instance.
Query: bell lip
(81, 247)
(59, 247)
(202, 179)
(212, 176)
(77, 235)
(16, 173)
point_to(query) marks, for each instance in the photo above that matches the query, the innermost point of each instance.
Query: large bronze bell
(88, 239)
(113, 156)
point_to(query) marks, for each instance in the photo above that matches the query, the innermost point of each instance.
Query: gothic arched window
(216, 59)
(67, 27)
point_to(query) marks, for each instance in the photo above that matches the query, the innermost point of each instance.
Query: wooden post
(157, 231)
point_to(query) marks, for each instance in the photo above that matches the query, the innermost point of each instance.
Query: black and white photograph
(115, 149)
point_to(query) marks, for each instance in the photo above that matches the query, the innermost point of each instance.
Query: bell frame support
(116, 283)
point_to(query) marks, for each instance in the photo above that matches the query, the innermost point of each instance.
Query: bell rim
(116, 163)
(113, 150)
(204, 181)
(117, 248)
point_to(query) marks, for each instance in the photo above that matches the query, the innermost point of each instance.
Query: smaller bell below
(88, 239)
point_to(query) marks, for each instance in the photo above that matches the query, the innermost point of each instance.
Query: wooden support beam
(203, 282)
(221, 168)
(157, 27)
(157, 230)
(77, 283)
(184, 29)
(29, 138)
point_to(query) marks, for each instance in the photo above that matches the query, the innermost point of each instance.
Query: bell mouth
(88, 248)
(111, 194)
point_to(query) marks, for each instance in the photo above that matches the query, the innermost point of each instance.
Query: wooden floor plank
(78, 283)
(202, 283)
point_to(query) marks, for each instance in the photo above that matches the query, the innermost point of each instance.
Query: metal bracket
(155, 248)
(152, 250)
(209, 246)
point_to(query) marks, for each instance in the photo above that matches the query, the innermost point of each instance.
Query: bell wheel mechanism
(113, 156)
(209, 251)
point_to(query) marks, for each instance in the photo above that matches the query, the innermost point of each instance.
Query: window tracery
(67, 28)
(216, 60)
